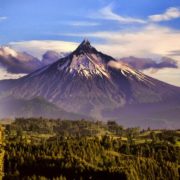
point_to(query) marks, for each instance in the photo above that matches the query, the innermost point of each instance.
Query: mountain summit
(91, 83)
(85, 61)
(85, 45)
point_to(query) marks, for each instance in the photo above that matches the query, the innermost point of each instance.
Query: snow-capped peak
(85, 47)
(86, 65)
(84, 61)
(86, 43)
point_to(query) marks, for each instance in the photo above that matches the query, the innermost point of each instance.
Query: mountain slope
(36, 107)
(92, 83)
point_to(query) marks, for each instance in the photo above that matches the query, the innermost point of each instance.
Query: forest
(38, 148)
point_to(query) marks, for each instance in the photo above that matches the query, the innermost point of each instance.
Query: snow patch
(4, 74)
(85, 65)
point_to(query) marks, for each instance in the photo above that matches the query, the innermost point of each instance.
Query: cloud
(82, 23)
(2, 18)
(146, 63)
(17, 62)
(6, 75)
(39, 47)
(174, 53)
(52, 56)
(170, 13)
(108, 14)
(171, 76)
(149, 41)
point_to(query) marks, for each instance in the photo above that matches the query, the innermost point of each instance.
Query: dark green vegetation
(56, 149)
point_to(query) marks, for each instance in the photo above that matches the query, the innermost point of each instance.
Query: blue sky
(142, 28)
(44, 19)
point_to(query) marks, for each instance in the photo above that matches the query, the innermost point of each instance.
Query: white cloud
(147, 42)
(38, 47)
(170, 13)
(108, 14)
(2, 18)
(150, 41)
(6, 75)
(168, 75)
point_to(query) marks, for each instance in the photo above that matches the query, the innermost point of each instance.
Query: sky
(141, 28)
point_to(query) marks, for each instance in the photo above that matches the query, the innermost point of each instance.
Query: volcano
(91, 83)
